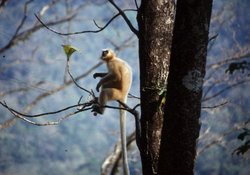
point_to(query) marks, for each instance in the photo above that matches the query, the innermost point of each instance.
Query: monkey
(115, 85)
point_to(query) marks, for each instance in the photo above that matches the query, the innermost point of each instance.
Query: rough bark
(155, 20)
(183, 101)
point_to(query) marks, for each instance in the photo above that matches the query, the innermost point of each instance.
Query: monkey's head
(107, 55)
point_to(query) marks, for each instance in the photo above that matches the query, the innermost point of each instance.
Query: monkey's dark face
(107, 55)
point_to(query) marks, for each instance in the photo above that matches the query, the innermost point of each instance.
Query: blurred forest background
(33, 80)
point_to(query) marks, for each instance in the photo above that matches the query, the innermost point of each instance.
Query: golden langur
(115, 85)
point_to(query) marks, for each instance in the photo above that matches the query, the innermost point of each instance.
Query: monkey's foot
(96, 109)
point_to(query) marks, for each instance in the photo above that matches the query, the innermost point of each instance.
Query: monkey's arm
(108, 77)
(99, 75)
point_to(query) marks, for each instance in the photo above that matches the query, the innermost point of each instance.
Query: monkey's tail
(124, 139)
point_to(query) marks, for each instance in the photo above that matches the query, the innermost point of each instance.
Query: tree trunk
(155, 20)
(183, 101)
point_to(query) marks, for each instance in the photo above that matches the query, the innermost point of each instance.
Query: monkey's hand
(98, 87)
(95, 75)
(99, 75)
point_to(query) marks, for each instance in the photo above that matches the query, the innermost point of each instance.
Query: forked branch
(83, 31)
(80, 107)
(130, 25)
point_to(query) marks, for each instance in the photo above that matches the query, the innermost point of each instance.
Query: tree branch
(225, 89)
(23, 19)
(74, 81)
(19, 26)
(42, 124)
(111, 162)
(25, 34)
(7, 123)
(22, 116)
(134, 30)
(243, 55)
(43, 114)
(80, 108)
(70, 82)
(136, 4)
(133, 96)
(84, 31)
(215, 106)
(2, 94)
(220, 138)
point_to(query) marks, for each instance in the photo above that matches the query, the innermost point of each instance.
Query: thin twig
(7, 123)
(218, 64)
(84, 107)
(132, 28)
(111, 162)
(70, 82)
(220, 139)
(225, 89)
(23, 116)
(133, 96)
(23, 19)
(57, 122)
(213, 37)
(41, 114)
(25, 34)
(136, 4)
(72, 78)
(20, 25)
(2, 94)
(121, 45)
(215, 106)
(80, 32)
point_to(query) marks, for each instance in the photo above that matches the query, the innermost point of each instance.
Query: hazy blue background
(80, 144)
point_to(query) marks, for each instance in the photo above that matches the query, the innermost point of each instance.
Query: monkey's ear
(69, 50)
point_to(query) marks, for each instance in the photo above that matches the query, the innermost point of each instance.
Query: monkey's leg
(96, 106)
(105, 96)
(102, 100)
(108, 94)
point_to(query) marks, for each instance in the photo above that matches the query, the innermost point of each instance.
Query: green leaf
(69, 50)
(162, 100)
(162, 92)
